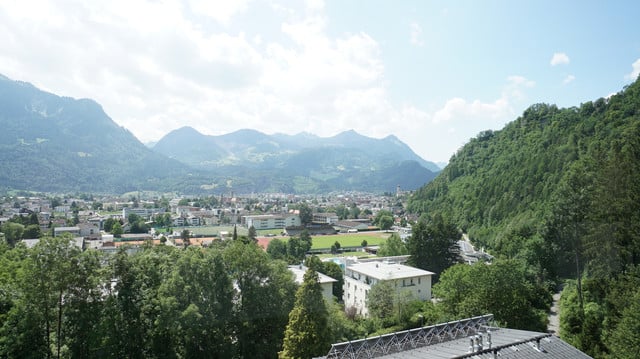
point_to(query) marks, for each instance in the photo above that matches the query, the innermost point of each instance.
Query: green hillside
(558, 190)
(505, 183)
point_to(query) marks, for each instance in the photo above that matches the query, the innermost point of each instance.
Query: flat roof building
(271, 221)
(360, 277)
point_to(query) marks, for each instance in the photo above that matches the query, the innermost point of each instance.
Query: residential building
(361, 276)
(326, 282)
(89, 230)
(328, 218)
(271, 221)
(145, 213)
(183, 221)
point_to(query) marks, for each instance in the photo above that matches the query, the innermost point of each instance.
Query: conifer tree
(307, 333)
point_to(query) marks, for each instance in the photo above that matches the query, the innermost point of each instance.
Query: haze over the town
(433, 73)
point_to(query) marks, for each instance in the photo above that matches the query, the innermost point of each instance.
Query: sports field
(349, 239)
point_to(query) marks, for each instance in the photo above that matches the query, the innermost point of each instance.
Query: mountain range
(53, 143)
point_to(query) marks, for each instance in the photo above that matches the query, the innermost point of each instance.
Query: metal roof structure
(468, 338)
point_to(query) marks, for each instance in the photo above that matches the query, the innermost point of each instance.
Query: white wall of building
(360, 277)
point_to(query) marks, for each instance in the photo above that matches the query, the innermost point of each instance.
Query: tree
(624, 341)
(501, 288)
(380, 301)
(253, 235)
(383, 219)
(198, 297)
(277, 249)
(185, 235)
(393, 246)
(314, 263)
(12, 232)
(117, 230)
(306, 214)
(108, 224)
(568, 225)
(50, 279)
(433, 246)
(307, 334)
(297, 247)
(334, 271)
(354, 211)
(32, 231)
(138, 227)
(263, 300)
(306, 240)
(133, 218)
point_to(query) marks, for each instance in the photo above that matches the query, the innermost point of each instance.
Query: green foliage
(383, 219)
(117, 230)
(334, 271)
(501, 288)
(557, 190)
(505, 179)
(307, 334)
(263, 301)
(393, 247)
(380, 301)
(297, 247)
(306, 214)
(252, 236)
(433, 245)
(277, 249)
(13, 232)
(624, 341)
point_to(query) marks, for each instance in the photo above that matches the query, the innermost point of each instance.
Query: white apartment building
(326, 282)
(271, 221)
(360, 277)
(329, 218)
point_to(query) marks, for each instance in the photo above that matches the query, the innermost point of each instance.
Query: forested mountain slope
(503, 182)
(559, 190)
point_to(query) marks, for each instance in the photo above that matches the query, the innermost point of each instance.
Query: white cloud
(220, 11)
(568, 79)
(458, 108)
(559, 58)
(156, 66)
(415, 35)
(633, 75)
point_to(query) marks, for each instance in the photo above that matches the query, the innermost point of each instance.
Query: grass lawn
(349, 240)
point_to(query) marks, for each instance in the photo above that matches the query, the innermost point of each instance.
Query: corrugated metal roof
(459, 339)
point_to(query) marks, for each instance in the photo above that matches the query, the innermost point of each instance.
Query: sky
(432, 73)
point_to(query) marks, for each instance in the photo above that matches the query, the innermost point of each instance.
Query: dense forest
(557, 190)
(164, 302)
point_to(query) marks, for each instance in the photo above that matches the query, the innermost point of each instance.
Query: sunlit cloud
(559, 58)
